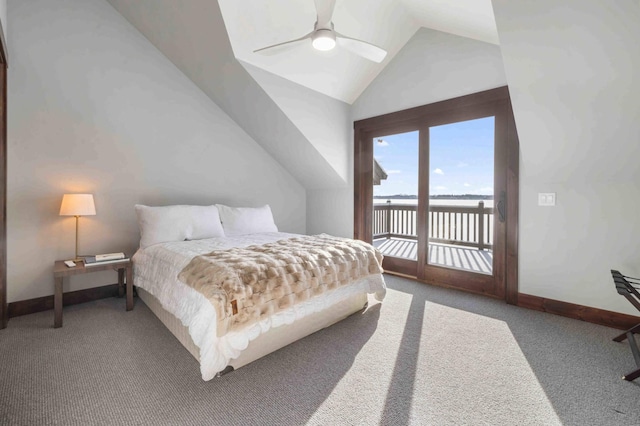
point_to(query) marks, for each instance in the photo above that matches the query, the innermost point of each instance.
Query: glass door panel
(395, 199)
(461, 195)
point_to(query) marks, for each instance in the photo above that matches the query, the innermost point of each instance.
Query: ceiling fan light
(324, 40)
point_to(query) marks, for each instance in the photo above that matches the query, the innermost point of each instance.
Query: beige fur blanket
(246, 285)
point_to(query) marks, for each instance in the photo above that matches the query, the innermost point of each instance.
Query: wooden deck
(452, 256)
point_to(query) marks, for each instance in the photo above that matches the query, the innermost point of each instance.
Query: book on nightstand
(102, 259)
(106, 262)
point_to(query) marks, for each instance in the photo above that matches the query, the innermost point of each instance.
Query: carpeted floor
(427, 356)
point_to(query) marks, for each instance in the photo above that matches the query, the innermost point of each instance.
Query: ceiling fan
(324, 37)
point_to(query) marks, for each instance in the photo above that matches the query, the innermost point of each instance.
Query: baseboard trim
(584, 313)
(39, 304)
(556, 307)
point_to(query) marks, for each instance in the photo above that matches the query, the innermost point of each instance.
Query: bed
(193, 317)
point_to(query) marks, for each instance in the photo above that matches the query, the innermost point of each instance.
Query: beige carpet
(426, 356)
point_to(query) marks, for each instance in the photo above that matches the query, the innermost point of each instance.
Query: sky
(460, 157)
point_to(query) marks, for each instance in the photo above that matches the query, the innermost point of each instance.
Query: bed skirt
(270, 341)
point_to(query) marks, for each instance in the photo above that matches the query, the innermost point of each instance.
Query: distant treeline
(438, 197)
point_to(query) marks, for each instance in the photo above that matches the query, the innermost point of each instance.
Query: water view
(460, 217)
(488, 202)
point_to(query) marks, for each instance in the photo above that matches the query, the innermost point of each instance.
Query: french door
(436, 192)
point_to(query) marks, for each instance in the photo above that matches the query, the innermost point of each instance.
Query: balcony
(460, 237)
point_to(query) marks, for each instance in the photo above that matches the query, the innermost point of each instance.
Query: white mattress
(156, 269)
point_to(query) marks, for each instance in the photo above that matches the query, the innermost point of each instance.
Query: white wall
(331, 211)
(572, 73)
(192, 35)
(431, 67)
(324, 121)
(3, 17)
(94, 107)
(109, 114)
(326, 124)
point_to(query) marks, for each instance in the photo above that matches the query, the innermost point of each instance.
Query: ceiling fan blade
(324, 9)
(281, 47)
(366, 50)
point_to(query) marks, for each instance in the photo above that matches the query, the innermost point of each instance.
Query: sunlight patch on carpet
(470, 367)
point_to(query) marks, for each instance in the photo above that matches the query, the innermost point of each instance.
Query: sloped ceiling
(192, 35)
(252, 24)
(207, 47)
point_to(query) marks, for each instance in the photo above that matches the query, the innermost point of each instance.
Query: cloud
(441, 188)
(467, 185)
(438, 171)
(382, 142)
(462, 164)
(394, 172)
(487, 190)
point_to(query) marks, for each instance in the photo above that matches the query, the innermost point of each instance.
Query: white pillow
(246, 220)
(177, 223)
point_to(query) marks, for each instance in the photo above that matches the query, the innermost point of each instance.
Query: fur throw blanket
(246, 285)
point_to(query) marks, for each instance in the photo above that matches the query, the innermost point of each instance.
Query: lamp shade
(77, 205)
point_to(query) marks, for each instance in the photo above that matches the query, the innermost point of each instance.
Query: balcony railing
(469, 226)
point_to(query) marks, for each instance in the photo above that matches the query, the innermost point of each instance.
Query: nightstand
(61, 271)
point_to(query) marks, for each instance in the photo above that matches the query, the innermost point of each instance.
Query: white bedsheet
(156, 269)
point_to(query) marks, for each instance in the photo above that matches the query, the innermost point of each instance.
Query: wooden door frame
(412, 119)
(4, 311)
(488, 284)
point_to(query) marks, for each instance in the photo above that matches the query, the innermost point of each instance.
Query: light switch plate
(547, 199)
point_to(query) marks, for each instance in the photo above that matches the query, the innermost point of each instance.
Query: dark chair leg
(630, 291)
(632, 376)
(623, 336)
(636, 355)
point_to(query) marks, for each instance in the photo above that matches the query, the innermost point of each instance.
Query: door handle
(501, 206)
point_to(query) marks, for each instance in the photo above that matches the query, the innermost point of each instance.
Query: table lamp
(77, 205)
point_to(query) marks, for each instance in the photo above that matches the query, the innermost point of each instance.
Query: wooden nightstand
(60, 271)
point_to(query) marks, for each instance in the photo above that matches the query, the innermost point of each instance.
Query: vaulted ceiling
(201, 38)
(252, 24)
